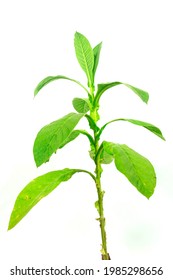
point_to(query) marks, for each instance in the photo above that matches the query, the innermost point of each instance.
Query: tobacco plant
(56, 135)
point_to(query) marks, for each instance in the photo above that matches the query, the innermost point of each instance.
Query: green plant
(138, 170)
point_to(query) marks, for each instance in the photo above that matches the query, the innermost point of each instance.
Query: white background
(37, 41)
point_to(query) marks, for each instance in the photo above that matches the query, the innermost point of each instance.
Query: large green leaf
(85, 56)
(103, 87)
(36, 190)
(146, 125)
(81, 105)
(96, 52)
(138, 170)
(50, 79)
(52, 136)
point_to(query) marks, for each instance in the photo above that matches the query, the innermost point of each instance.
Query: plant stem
(98, 171)
(100, 193)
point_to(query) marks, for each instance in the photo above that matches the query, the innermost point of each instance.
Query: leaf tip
(35, 92)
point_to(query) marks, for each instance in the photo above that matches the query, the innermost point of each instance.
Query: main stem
(100, 192)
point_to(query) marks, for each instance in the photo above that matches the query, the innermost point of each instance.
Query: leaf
(81, 105)
(105, 158)
(96, 204)
(50, 79)
(85, 56)
(52, 136)
(96, 52)
(137, 169)
(146, 125)
(38, 189)
(103, 87)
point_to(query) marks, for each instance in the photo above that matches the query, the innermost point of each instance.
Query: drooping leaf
(146, 125)
(50, 79)
(137, 169)
(52, 136)
(85, 56)
(96, 52)
(38, 189)
(103, 87)
(81, 105)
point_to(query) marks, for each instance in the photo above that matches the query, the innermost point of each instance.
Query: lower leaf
(138, 170)
(36, 190)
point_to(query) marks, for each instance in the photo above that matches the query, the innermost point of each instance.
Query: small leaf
(105, 158)
(96, 52)
(81, 105)
(38, 189)
(92, 151)
(52, 136)
(92, 123)
(96, 204)
(85, 56)
(50, 79)
(103, 87)
(146, 125)
(138, 170)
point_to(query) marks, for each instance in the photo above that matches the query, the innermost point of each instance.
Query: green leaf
(138, 170)
(81, 105)
(105, 158)
(103, 87)
(96, 52)
(36, 190)
(85, 56)
(96, 204)
(52, 136)
(146, 125)
(50, 79)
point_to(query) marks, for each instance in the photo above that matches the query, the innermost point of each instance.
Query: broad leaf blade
(96, 52)
(36, 190)
(52, 136)
(103, 87)
(81, 105)
(50, 79)
(85, 56)
(138, 170)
